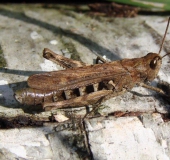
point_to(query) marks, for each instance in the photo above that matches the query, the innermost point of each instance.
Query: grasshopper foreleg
(153, 88)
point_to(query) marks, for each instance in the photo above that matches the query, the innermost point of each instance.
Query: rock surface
(141, 132)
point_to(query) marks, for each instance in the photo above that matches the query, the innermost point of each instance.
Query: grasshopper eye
(154, 62)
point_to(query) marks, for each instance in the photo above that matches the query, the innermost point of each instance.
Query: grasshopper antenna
(164, 36)
(165, 55)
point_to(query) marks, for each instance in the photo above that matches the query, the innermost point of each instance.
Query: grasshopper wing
(78, 77)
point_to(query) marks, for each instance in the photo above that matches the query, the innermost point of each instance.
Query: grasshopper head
(153, 63)
(154, 60)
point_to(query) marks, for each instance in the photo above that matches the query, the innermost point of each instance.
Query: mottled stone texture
(25, 30)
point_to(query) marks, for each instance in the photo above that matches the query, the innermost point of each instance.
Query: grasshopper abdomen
(31, 96)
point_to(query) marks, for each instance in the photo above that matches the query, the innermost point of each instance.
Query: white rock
(34, 35)
(54, 42)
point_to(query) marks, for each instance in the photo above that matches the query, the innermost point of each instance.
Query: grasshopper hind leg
(61, 60)
(66, 62)
(102, 99)
(84, 100)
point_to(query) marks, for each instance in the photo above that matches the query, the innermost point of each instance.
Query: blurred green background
(150, 5)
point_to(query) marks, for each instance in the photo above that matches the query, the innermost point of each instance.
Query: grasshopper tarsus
(99, 58)
(81, 84)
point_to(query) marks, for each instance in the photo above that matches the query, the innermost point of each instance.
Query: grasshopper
(81, 84)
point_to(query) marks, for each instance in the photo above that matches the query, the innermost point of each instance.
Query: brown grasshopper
(81, 84)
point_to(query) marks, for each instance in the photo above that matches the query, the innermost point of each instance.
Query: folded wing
(78, 77)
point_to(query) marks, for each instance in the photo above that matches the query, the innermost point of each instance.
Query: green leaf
(153, 5)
